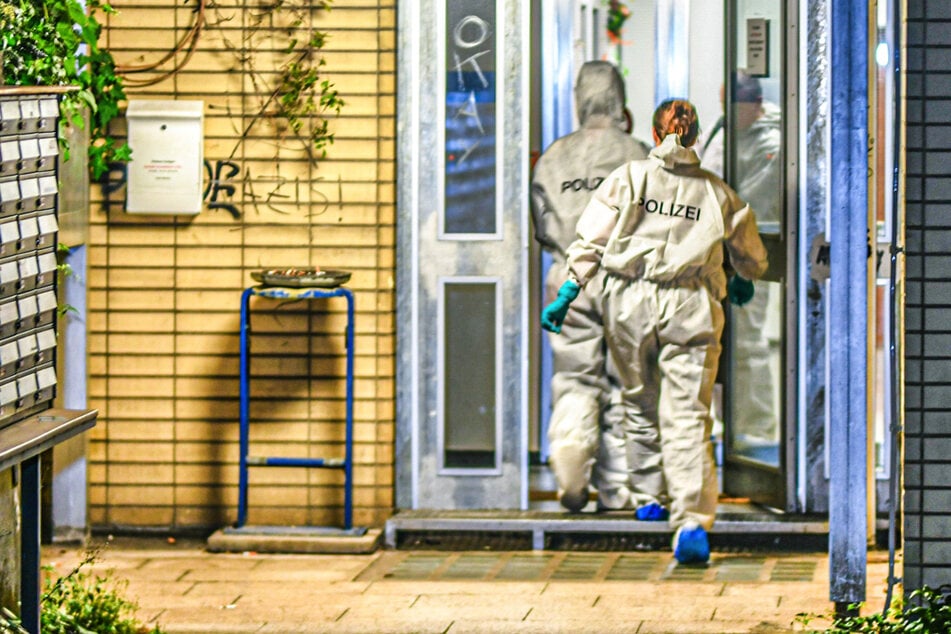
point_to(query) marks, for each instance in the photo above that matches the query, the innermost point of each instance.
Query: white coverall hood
(673, 155)
(599, 92)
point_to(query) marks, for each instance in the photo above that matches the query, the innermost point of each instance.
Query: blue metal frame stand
(245, 461)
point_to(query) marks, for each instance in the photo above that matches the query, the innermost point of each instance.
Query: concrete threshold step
(542, 530)
(295, 539)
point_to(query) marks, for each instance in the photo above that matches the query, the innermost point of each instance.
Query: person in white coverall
(757, 178)
(586, 445)
(657, 228)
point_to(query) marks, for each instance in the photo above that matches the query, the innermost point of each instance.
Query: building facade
(164, 290)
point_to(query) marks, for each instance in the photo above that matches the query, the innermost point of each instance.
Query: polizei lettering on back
(578, 184)
(674, 210)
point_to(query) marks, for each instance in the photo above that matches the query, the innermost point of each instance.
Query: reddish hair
(677, 116)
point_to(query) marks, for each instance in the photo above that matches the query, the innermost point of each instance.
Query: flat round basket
(301, 277)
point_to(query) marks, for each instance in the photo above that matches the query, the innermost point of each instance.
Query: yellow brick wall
(164, 292)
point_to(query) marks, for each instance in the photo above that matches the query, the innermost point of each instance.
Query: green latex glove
(739, 290)
(553, 316)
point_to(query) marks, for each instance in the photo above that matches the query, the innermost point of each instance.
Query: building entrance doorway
(729, 58)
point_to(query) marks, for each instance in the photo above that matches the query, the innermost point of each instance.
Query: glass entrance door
(759, 146)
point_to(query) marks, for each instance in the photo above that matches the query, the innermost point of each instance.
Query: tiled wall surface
(927, 501)
(164, 291)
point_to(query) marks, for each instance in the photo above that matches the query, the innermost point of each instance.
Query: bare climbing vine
(294, 95)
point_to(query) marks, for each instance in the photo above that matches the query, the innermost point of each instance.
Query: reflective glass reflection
(756, 369)
(754, 129)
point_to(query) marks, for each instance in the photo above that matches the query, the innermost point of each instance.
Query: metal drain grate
(418, 567)
(577, 566)
(471, 566)
(629, 568)
(524, 568)
(554, 567)
(793, 570)
(740, 568)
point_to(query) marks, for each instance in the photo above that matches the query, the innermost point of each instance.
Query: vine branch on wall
(296, 92)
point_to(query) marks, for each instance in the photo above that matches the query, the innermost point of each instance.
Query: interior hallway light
(881, 54)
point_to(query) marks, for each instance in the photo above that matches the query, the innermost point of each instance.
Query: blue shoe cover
(691, 545)
(651, 512)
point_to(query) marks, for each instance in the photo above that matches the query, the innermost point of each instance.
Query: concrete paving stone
(363, 626)
(600, 625)
(732, 614)
(212, 619)
(296, 613)
(752, 601)
(680, 626)
(156, 595)
(677, 599)
(551, 602)
(302, 566)
(674, 601)
(203, 629)
(201, 595)
(772, 588)
(155, 575)
(378, 610)
(504, 588)
(641, 588)
(341, 601)
(472, 607)
(207, 565)
(270, 589)
(220, 619)
(315, 575)
(149, 615)
(682, 606)
(816, 606)
(567, 613)
(400, 618)
(300, 627)
(64, 564)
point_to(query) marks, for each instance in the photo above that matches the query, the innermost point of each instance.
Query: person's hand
(739, 290)
(553, 315)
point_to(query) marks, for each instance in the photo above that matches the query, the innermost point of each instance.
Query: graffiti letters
(221, 183)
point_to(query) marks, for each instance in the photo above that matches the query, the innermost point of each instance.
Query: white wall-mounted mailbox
(166, 170)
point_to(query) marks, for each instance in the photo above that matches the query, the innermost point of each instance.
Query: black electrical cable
(895, 428)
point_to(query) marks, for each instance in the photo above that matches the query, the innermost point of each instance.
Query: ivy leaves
(56, 43)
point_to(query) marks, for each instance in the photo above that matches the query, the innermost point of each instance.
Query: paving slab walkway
(185, 589)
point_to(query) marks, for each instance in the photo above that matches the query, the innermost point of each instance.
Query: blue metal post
(348, 460)
(243, 410)
(30, 545)
(848, 301)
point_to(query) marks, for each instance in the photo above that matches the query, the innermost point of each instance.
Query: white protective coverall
(563, 180)
(757, 180)
(657, 229)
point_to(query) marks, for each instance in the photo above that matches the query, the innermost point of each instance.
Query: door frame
(427, 256)
(776, 487)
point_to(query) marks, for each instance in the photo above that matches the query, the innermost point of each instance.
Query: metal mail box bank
(29, 149)
(24, 114)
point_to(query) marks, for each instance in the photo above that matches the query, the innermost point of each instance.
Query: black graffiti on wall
(220, 183)
(224, 180)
